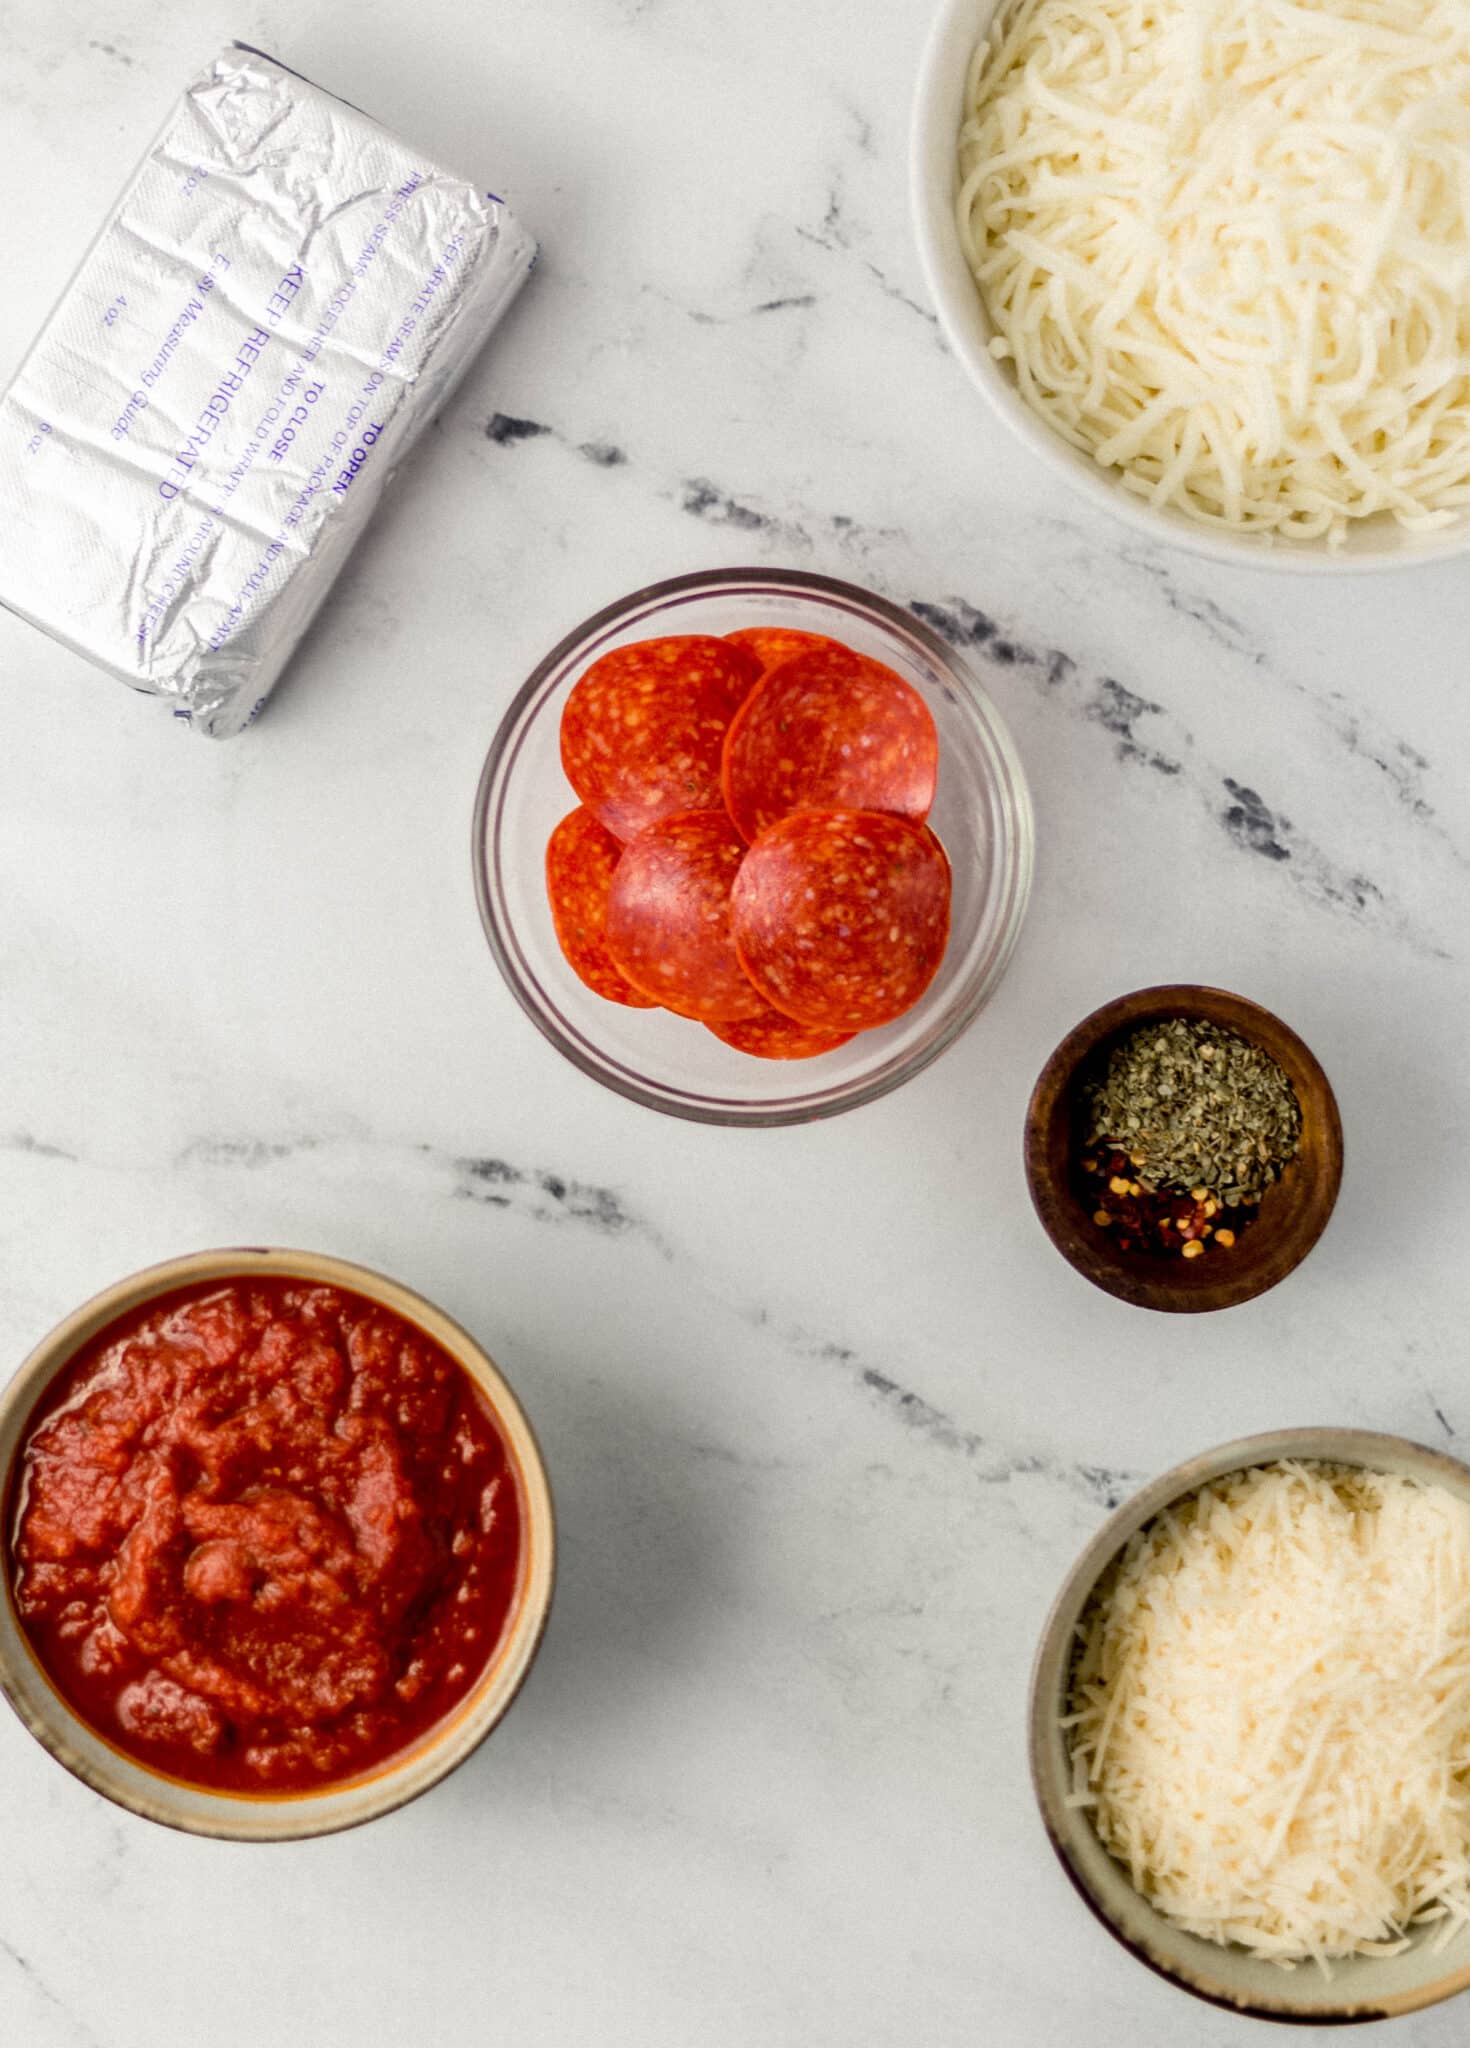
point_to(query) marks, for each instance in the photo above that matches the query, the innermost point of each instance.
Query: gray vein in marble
(1251, 825)
(1401, 764)
(1443, 1420)
(22, 1141)
(1248, 821)
(834, 232)
(745, 1461)
(1101, 701)
(914, 1412)
(1256, 829)
(504, 428)
(705, 501)
(701, 500)
(43, 1990)
(537, 1194)
(910, 1408)
(1109, 1484)
(864, 140)
(895, 292)
(242, 1151)
(111, 1870)
(1118, 711)
(549, 1197)
(603, 454)
(834, 236)
(788, 302)
(962, 625)
(1221, 626)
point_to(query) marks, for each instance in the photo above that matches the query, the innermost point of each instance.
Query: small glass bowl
(982, 813)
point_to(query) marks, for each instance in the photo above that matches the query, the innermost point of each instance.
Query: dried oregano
(1195, 1106)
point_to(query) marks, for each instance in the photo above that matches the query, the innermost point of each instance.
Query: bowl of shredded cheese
(1212, 257)
(1250, 1726)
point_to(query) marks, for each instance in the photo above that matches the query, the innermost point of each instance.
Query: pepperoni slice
(841, 917)
(668, 917)
(643, 729)
(580, 858)
(770, 1036)
(829, 729)
(773, 644)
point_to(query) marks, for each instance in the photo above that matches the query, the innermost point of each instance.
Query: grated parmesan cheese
(1226, 246)
(1270, 1712)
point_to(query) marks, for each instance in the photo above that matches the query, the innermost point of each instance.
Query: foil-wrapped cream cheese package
(280, 300)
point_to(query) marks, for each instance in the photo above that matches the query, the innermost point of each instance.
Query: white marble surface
(827, 1417)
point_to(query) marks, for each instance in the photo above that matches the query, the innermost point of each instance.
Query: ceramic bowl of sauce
(279, 1545)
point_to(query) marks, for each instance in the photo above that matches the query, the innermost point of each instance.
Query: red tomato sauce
(263, 1534)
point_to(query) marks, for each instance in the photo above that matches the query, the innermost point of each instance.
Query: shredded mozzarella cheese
(1270, 1712)
(1226, 246)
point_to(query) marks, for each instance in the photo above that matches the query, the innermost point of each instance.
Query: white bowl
(1377, 543)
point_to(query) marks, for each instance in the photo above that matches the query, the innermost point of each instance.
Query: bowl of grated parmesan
(1211, 258)
(1250, 1726)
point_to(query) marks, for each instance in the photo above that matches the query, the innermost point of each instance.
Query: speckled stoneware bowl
(279, 1817)
(1360, 1988)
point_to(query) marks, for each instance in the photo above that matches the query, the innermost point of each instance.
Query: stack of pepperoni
(750, 848)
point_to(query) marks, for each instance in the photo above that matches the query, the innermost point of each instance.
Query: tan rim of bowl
(1361, 1988)
(277, 1817)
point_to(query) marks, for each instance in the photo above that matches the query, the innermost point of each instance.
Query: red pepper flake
(1158, 1220)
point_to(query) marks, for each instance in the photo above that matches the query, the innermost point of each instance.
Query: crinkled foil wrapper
(282, 297)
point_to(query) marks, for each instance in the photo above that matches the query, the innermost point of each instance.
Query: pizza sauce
(263, 1534)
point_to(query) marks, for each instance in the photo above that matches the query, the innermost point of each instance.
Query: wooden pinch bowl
(1293, 1212)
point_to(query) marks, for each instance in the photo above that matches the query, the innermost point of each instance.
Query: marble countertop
(827, 1417)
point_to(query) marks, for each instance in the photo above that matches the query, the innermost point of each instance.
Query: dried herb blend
(1186, 1128)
